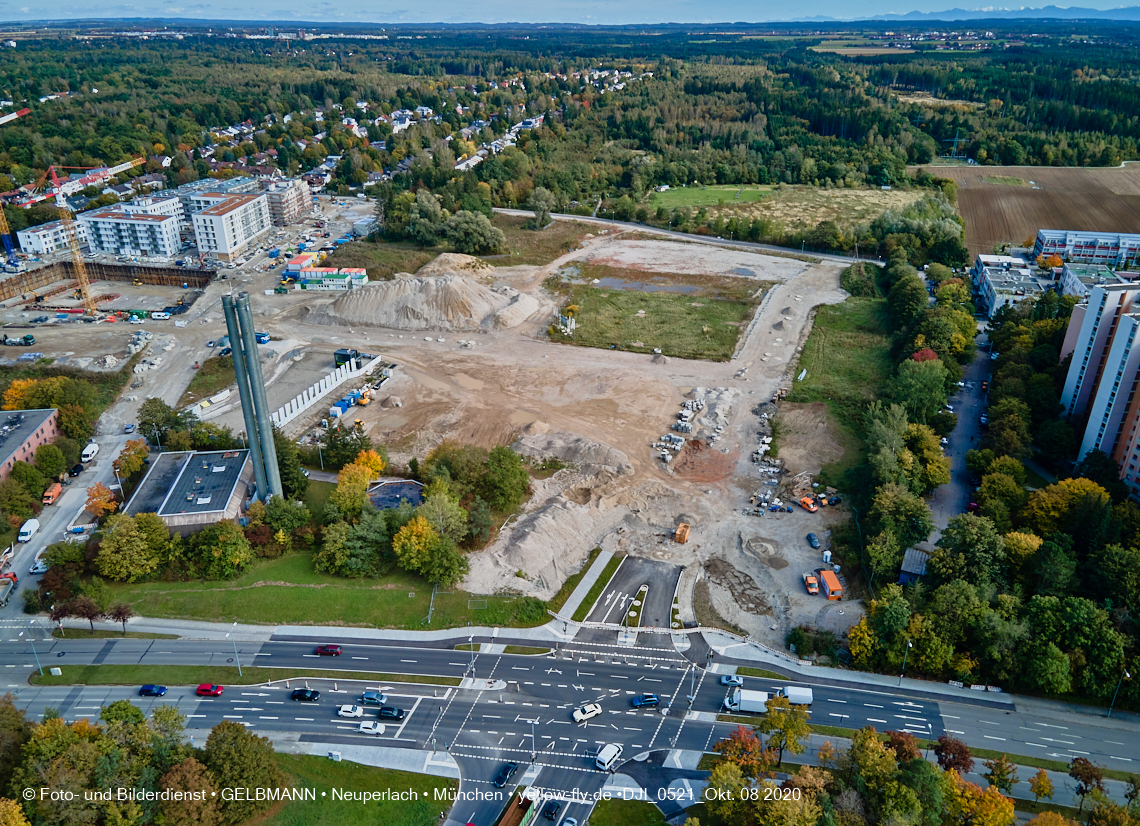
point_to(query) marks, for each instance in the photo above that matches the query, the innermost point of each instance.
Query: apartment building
(119, 232)
(1001, 280)
(289, 201)
(229, 225)
(230, 186)
(1116, 249)
(48, 238)
(1079, 279)
(1092, 329)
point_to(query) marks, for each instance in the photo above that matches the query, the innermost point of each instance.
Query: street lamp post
(909, 645)
(1124, 675)
(32, 640)
(533, 750)
(233, 638)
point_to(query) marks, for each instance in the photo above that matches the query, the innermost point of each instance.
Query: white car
(370, 727)
(350, 711)
(587, 712)
(41, 567)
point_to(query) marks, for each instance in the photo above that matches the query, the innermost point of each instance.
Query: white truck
(742, 700)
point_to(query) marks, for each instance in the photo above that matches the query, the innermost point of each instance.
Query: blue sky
(485, 11)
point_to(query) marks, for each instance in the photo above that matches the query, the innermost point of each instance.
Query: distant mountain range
(1046, 13)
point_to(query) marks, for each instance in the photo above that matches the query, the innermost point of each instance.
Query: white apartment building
(118, 232)
(1112, 248)
(230, 224)
(155, 205)
(289, 201)
(48, 238)
(1094, 324)
(1079, 279)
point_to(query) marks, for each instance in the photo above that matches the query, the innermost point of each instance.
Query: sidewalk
(586, 583)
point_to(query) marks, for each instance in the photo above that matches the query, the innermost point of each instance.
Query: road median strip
(226, 675)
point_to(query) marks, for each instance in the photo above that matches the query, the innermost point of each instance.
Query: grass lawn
(223, 675)
(746, 671)
(847, 358)
(634, 813)
(97, 634)
(324, 775)
(382, 260)
(696, 196)
(287, 591)
(529, 246)
(317, 496)
(700, 318)
(571, 583)
(215, 375)
(1035, 480)
(524, 649)
(597, 589)
(1004, 180)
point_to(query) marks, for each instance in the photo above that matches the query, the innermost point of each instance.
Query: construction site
(648, 441)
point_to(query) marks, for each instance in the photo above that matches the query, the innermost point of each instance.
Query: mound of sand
(571, 448)
(450, 263)
(443, 302)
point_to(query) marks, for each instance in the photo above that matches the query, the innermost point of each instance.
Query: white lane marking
(407, 661)
(266, 718)
(1125, 759)
(873, 720)
(993, 738)
(950, 717)
(1038, 745)
(988, 723)
(872, 705)
(836, 701)
(360, 658)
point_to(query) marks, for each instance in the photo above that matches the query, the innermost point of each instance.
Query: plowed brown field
(1106, 199)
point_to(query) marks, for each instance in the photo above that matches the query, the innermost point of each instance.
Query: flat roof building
(49, 237)
(21, 432)
(228, 225)
(1116, 249)
(289, 201)
(190, 490)
(119, 232)
(1096, 322)
(1079, 279)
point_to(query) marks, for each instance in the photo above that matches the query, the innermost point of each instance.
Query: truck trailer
(742, 700)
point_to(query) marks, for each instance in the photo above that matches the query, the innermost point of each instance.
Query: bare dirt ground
(808, 438)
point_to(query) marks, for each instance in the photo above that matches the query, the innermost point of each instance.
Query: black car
(551, 809)
(75, 471)
(390, 713)
(305, 695)
(505, 774)
(813, 540)
(152, 691)
(645, 700)
(226, 351)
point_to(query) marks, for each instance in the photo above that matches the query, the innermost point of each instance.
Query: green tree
(15, 731)
(121, 711)
(970, 548)
(1048, 669)
(125, 555)
(333, 555)
(1001, 774)
(284, 515)
(473, 233)
(426, 219)
(192, 810)
(787, 727)
(479, 522)
(906, 300)
(899, 511)
(1041, 786)
(50, 461)
(505, 483)
(294, 482)
(31, 479)
(238, 759)
(444, 564)
(221, 551)
(443, 512)
(920, 386)
(543, 202)
(132, 459)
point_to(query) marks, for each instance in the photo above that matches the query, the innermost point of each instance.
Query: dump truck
(742, 700)
(22, 341)
(52, 493)
(7, 588)
(811, 584)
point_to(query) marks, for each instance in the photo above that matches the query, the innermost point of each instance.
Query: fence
(17, 285)
(309, 398)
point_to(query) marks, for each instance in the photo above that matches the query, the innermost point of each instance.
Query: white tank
(827, 557)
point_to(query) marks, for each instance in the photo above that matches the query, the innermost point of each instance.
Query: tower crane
(73, 244)
(5, 230)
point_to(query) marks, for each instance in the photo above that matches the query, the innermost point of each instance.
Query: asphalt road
(484, 727)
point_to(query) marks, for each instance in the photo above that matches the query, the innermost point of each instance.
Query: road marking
(841, 716)
(314, 656)
(1051, 740)
(1115, 744)
(266, 718)
(649, 679)
(459, 663)
(275, 702)
(988, 737)
(988, 723)
(950, 717)
(954, 731)
(873, 720)
(871, 705)
(1038, 745)
(1049, 725)
(306, 719)
(195, 715)
(586, 674)
(619, 677)
(836, 701)
(1074, 751)
(407, 661)
(513, 667)
(627, 728)
(360, 658)
(232, 716)
(1125, 759)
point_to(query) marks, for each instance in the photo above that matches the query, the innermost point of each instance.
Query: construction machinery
(681, 535)
(11, 116)
(14, 264)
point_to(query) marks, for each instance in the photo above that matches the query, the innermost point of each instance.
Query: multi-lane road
(518, 708)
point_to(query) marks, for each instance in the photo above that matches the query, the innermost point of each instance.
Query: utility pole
(533, 750)
(909, 645)
(233, 638)
(32, 640)
(1124, 675)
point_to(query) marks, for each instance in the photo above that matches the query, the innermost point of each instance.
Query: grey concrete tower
(260, 403)
(234, 331)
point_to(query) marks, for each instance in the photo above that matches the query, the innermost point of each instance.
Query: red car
(329, 650)
(209, 690)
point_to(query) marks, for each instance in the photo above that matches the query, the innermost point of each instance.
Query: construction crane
(5, 230)
(34, 193)
(11, 116)
(72, 237)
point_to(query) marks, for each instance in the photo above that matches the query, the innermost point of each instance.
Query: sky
(484, 11)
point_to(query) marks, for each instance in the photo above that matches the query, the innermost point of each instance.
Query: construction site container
(831, 587)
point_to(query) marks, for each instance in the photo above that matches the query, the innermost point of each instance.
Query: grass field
(559, 599)
(708, 196)
(99, 634)
(288, 591)
(1004, 180)
(382, 260)
(324, 775)
(216, 374)
(596, 590)
(635, 313)
(848, 362)
(222, 675)
(528, 246)
(317, 496)
(746, 671)
(635, 813)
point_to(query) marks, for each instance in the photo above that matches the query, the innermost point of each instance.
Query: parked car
(129, 428)
(646, 701)
(551, 809)
(505, 774)
(350, 711)
(732, 679)
(76, 470)
(390, 713)
(835, 500)
(973, 506)
(813, 540)
(210, 343)
(373, 698)
(587, 712)
(370, 727)
(327, 650)
(152, 691)
(225, 351)
(160, 315)
(209, 690)
(305, 695)
(40, 568)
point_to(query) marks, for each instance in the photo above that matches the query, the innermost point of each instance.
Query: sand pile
(451, 263)
(442, 302)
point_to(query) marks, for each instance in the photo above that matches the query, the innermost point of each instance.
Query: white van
(28, 530)
(89, 453)
(608, 756)
(797, 695)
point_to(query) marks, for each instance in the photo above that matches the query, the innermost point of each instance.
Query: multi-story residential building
(1092, 329)
(21, 432)
(119, 232)
(289, 201)
(1001, 280)
(1079, 279)
(229, 186)
(230, 224)
(1116, 249)
(48, 238)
